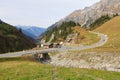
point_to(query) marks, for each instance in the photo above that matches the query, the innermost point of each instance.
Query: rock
(88, 15)
(101, 61)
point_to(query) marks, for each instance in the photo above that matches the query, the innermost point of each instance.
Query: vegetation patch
(99, 22)
(12, 39)
(60, 32)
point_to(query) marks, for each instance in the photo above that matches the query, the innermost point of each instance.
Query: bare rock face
(88, 15)
(92, 60)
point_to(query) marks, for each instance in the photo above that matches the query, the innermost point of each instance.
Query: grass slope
(85, 37)
(23, 68)
(12, 40)
(112, 30)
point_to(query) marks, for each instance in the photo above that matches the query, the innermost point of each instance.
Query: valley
(81, 46)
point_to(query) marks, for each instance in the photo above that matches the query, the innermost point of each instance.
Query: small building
(50, 45)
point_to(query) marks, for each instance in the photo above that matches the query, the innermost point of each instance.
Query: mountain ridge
(89, 14)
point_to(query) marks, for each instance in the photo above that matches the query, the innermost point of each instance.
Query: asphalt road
(102, 41)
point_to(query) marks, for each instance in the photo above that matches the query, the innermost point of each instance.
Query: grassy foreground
(26, 69)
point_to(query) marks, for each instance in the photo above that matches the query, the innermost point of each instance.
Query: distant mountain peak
(31, 31)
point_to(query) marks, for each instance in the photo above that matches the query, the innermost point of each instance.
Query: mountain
(89, 14)
(12, 39)
(31, 31)
(92, 16)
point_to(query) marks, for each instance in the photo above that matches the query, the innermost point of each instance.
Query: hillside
(106, 57)
(69, 33)
(112, 29)
(12, 39)
(99, 22)
(59, 33)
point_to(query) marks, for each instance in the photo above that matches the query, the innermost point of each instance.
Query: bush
(99, 22)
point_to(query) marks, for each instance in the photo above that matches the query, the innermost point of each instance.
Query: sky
(42, 13)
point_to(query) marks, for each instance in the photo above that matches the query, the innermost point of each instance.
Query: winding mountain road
(102, 41)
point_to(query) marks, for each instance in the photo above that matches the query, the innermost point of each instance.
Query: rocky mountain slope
(12, 39)
(89, 14)
(92, 16)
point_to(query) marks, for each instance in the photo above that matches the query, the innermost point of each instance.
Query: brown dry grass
(80, 30)
(112, 30)
(85, 37)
